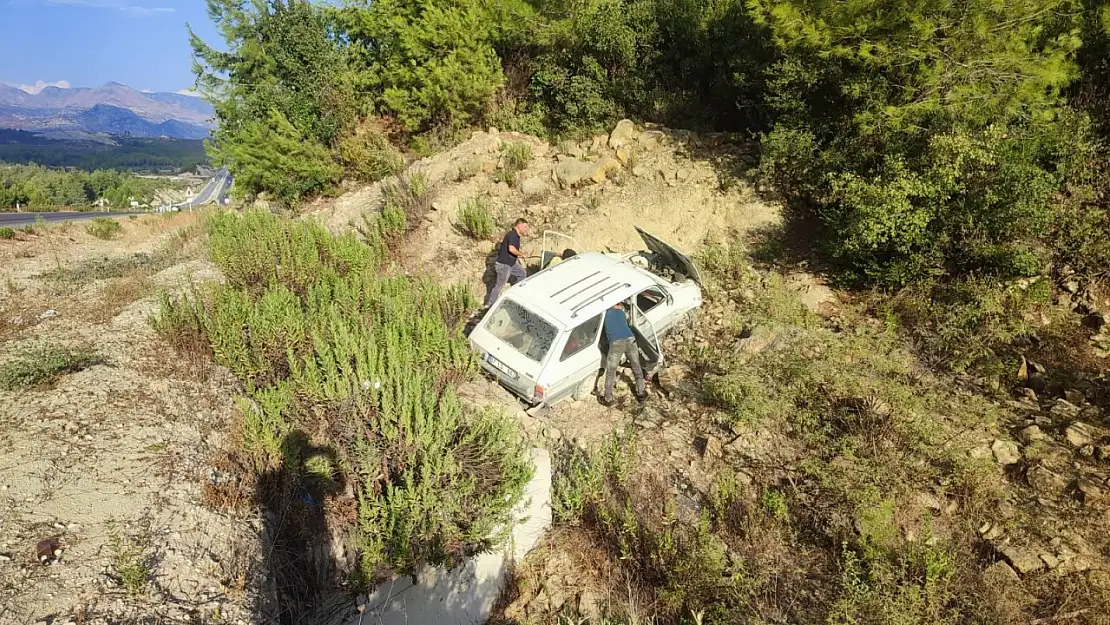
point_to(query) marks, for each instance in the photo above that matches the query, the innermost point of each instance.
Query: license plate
(500, 366)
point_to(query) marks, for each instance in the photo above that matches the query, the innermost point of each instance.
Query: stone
(1023, 561)
(1089, 490)
(1075, 396)
(1032, 434)
(640, 171)
(1087, 451)
(1078, 434)
(1045, 482)
(535, 187)
(467, 592)
(1102, 453)
(624, 155)
(572, 172)
(600, 170)
(683, 174)
(623, 135)
(1006, 452)
(1000, 573)
(1049, 560)
(1064, 409)
(651, 138)
(709, 447)
(1023, 371)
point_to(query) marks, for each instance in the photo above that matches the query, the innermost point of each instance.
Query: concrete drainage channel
(465, 594)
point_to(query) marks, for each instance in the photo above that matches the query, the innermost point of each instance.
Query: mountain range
(113, 108)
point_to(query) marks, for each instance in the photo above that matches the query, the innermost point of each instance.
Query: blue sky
(86, 43)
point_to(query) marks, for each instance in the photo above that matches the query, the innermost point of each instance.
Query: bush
(369, 157)
(44, 366)
(6, 233)
(104, 228)
(328, 342)
(475, 218)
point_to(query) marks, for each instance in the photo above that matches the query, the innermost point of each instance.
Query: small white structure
(464, 595)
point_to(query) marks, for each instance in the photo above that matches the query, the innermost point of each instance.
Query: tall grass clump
(475, 218)
(6, 233)
(104, 228)
(514, 158)
(327, 342)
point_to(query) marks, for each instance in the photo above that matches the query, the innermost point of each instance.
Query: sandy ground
(109, 463)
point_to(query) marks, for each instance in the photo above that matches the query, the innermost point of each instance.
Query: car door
(578, 358)
(647, 338)
(657, 306)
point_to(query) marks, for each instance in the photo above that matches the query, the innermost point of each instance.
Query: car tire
(585, 387)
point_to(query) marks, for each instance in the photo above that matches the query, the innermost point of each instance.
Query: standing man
(508, 266)
(622, 343)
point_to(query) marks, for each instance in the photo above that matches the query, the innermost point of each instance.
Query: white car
(542, 339)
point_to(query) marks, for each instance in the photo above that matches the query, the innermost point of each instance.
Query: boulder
(1023, 561)
(1064, 409)
(1006, 452)
(624, 155)
(1079, 434)
(651, 138)
(1045, 482)
(601, 170)
(572, 172)
(1089, 490)
(709, 447)
(535, 186)
(623, 135)
(1032, 434)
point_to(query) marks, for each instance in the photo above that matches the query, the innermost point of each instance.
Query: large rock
(1024, 561)
(1079, 434)
(1046, 482)
(623, 135)
(465, 594)
(1006, 452)
(572, 172)
(603, 168)
(651, 138)
(1032, 434)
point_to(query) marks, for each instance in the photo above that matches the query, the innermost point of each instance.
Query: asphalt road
(18, 220)
(216, 189)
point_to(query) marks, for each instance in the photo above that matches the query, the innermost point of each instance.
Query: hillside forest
(938, 140)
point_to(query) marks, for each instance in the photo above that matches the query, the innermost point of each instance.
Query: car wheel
(585, 387)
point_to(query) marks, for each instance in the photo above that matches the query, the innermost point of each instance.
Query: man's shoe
(641, 397)
(606, 401)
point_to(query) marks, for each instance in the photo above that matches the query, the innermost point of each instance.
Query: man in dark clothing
(622, 344)
(508, 266)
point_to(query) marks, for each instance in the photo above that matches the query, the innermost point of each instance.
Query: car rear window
(526, 331)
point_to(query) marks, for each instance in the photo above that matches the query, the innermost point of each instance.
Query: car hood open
(673, 258)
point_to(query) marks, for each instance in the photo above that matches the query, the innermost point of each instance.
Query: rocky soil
(103, 517)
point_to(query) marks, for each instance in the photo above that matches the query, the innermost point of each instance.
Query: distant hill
(113, 108)
(101, 151)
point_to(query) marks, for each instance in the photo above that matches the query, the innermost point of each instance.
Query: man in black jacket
(508, 265)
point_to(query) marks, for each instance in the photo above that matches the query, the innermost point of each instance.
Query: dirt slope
(109, 462)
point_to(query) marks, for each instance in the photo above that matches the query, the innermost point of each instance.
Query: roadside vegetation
(40, 188)
(350, 373)
(104, 228)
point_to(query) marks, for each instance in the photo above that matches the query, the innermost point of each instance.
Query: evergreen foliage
(327, 340)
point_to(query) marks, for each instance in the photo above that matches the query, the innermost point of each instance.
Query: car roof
(580, 287)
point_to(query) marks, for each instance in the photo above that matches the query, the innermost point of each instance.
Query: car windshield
(523, 329)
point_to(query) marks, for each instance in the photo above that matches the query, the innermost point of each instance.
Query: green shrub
(45, 365)
(104, 228)
(410, 196)
(323, 336)
(6, 233)
(370, 157)
(475, 218)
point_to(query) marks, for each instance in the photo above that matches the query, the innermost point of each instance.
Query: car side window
(582, 337)
(649, 298)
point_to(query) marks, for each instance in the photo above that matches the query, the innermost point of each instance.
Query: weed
(322, 336)
(44, 365)
(774, 504)
(29, 229)
(468, 170)
(104, 228)
(369, 156)
(514, 159)
(410, 196)
(129, 562)
(109, 268)
(475, 218)
(6, 233)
